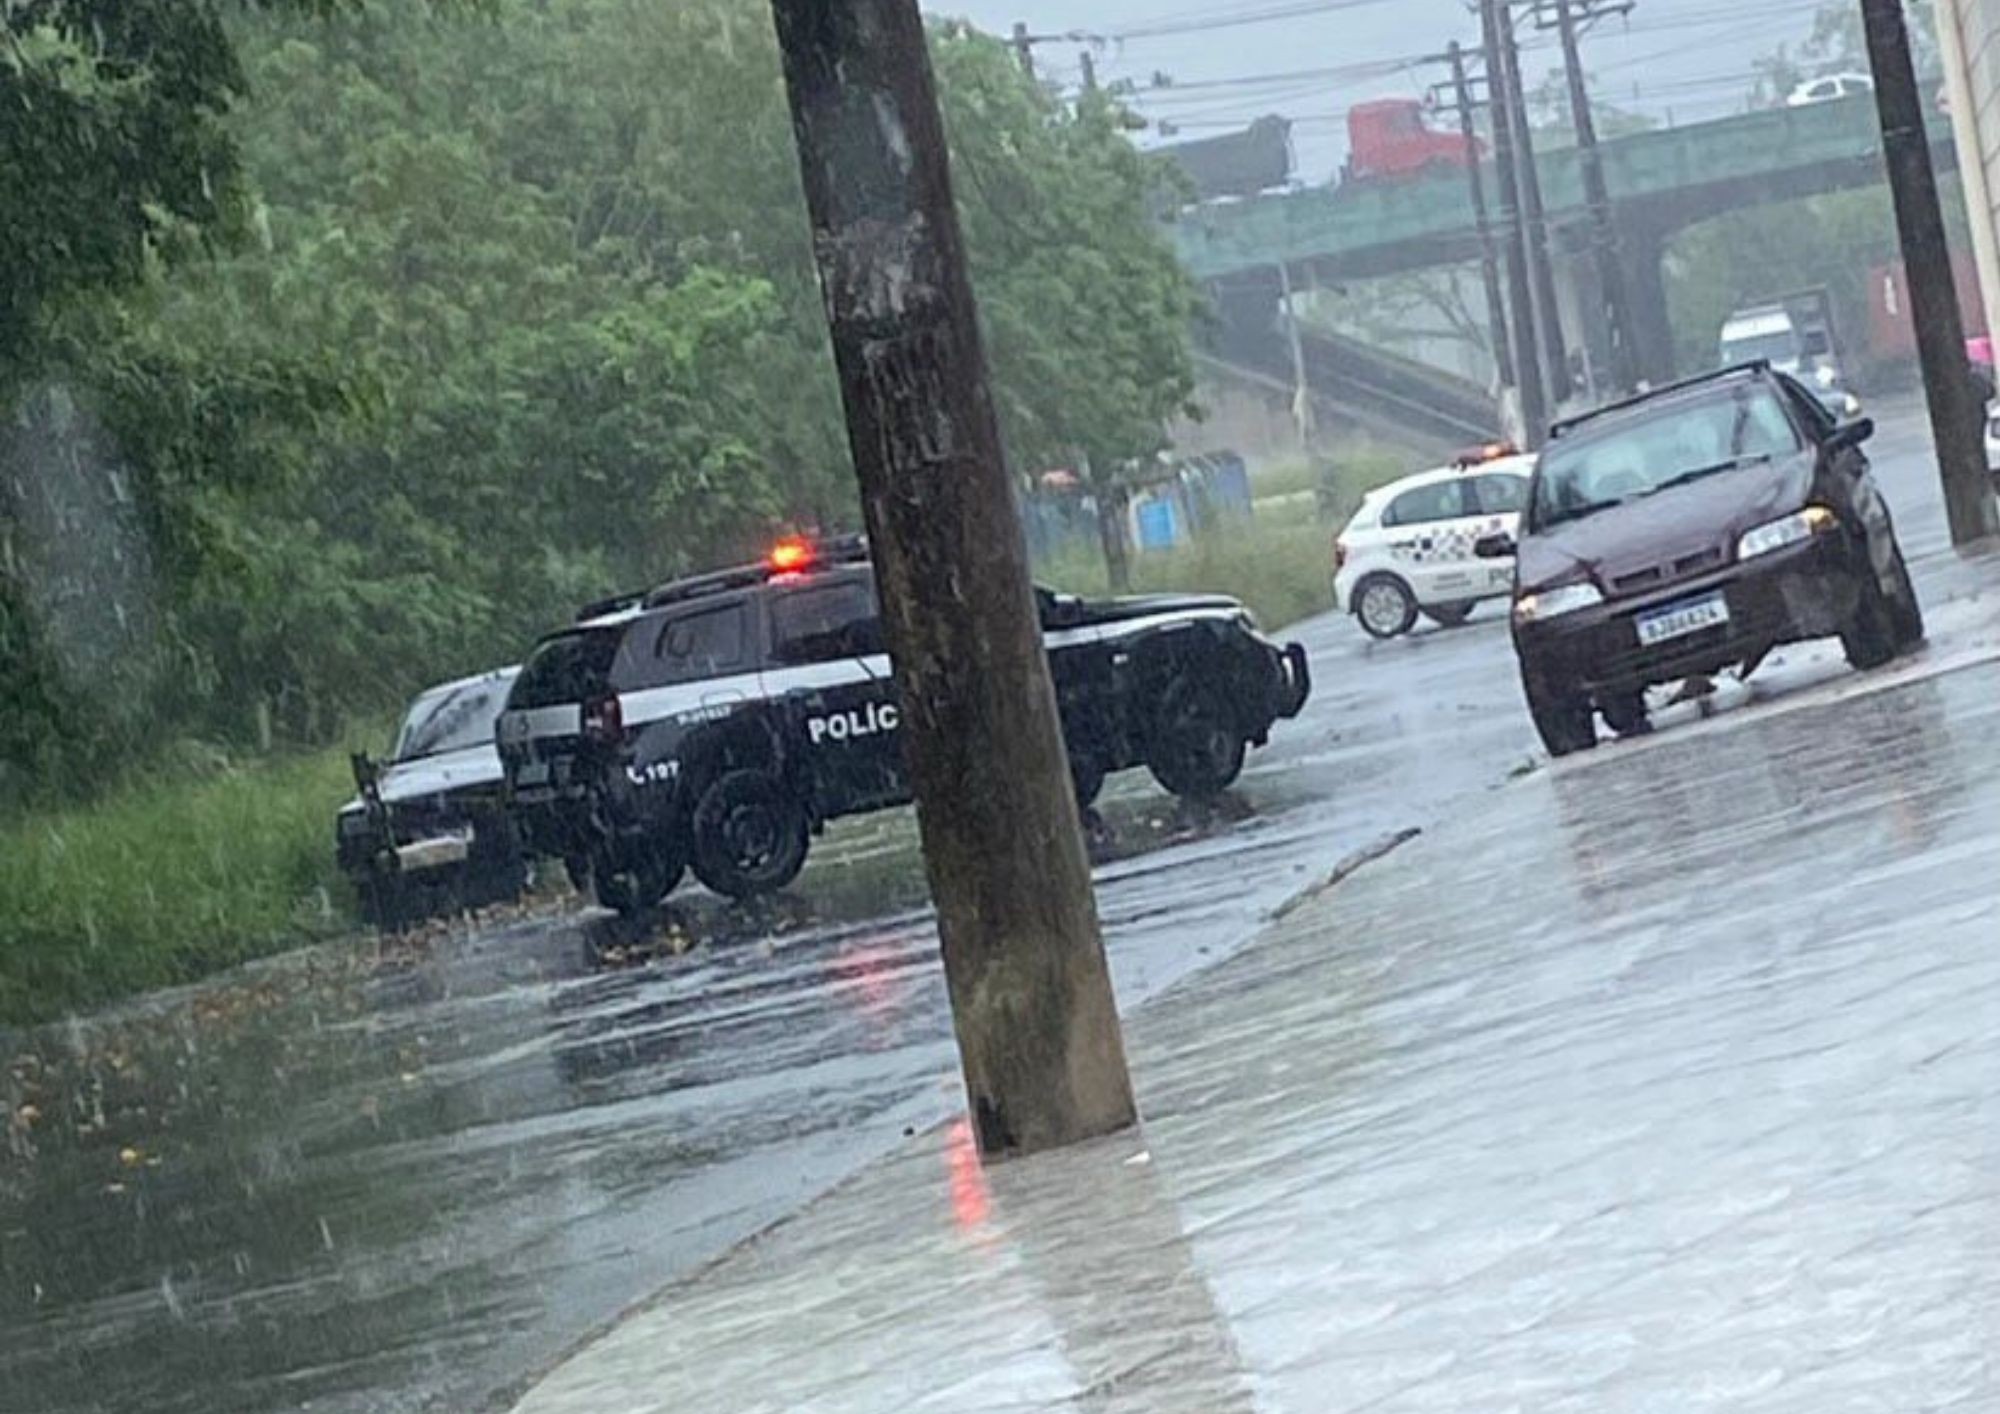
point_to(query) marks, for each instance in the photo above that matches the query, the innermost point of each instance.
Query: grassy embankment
(165, 881)
(171, 879)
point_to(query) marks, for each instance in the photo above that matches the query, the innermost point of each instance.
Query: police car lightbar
(1490, 452)
(795, 554)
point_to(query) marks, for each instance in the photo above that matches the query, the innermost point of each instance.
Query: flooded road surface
(409, 1175)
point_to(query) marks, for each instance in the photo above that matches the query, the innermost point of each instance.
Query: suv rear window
(824, 623)
(684, 647)
(570, 668)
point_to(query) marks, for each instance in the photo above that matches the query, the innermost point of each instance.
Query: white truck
(1795, 334)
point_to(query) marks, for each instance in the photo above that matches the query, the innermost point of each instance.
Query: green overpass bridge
(1661, 182)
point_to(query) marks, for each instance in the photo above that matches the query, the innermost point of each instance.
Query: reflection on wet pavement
(403, 1176)
(1479, 1132)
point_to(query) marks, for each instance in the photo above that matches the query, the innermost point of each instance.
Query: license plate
(532, 773)
(1680, 620)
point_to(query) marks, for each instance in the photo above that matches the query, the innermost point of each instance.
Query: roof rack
(1570, 424)
(841, 550)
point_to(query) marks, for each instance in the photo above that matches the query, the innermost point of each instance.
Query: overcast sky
(1685, 59)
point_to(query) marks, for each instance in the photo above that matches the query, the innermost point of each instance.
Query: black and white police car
(428, 832)
(718, 723)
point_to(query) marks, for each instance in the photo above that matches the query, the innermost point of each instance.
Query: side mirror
(1498, 546)
(1851, 434)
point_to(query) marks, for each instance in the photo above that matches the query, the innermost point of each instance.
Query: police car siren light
(792, 555)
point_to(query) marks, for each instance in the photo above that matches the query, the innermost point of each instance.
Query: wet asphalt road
(407, 1176)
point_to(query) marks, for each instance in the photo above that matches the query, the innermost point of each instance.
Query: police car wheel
(634, 878)
(1384, 607)
(750, 835)
(1196, 749)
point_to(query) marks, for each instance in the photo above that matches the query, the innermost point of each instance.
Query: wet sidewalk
(1667, 1079)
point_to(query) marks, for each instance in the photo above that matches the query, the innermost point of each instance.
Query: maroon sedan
(1690, 531)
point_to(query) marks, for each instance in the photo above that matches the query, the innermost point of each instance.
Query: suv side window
(691, 646)
(1443, 500)
(824, 623)
(1501, 495)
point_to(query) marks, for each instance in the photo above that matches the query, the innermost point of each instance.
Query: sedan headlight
(1553, 603)
(1792, 530)
(1827, 377)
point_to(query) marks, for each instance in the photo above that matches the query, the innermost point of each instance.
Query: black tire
(1195, 749)
(1384, 606)
(1625, 713)
(1448, 615)
(388, 904)
(634, 876)
(497, 872)
(1563, 720)
(1906, 609)
(1869, 640)
(750, 835)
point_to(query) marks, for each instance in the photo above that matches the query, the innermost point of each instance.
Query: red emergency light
(792, 555)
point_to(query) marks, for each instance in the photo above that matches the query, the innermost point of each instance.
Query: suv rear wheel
(635, 875)
(750, 835)
(1196, 750)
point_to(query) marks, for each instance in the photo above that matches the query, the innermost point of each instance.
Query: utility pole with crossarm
(1024, 963)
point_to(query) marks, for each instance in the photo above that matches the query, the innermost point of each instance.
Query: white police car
(1409, 549)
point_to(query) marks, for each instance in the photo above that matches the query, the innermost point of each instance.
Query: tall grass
(165, 881)
(1281, 566)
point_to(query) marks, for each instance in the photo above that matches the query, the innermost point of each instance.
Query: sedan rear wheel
(1906, 608)
(1869, 640)
(1385, 607)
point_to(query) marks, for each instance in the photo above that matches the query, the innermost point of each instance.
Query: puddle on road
(390, 1174)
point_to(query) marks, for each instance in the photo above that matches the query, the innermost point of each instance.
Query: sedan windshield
(452, 719)
(1643, 454)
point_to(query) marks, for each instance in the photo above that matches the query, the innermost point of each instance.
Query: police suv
(719, 723)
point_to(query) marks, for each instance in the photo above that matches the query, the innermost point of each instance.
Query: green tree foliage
(415, 329)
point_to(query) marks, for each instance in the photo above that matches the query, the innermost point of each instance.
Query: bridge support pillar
(1645, 254)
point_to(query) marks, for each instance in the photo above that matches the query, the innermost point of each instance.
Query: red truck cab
(1389, 138)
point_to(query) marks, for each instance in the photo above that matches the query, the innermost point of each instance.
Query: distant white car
(1409, 549)
(1829, 88)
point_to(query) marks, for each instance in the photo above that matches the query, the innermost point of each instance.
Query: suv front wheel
(1196, 750)
(750, 835)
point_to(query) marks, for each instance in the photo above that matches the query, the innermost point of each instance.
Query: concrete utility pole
(1024, 48)
(1024, 960)
(1489, 256)
(1520, 294)
(1604, 230)
(1956, 414)
(1511, 100)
